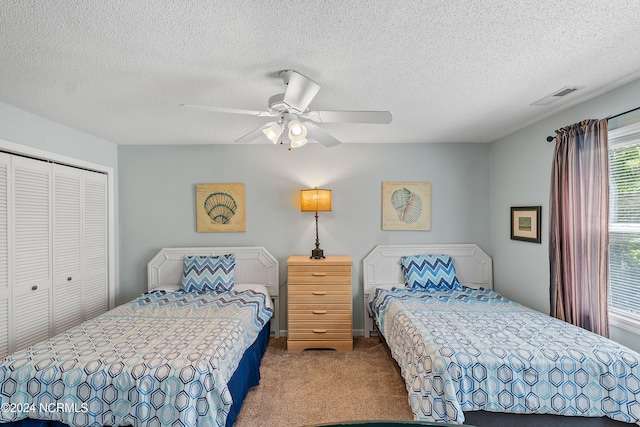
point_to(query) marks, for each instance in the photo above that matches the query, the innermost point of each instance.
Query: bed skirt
(247, 375)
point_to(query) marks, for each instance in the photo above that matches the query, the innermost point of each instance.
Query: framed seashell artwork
(220, 208)
(406, 206)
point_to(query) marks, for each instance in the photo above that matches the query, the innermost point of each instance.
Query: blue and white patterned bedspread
(161, 359)
(471, 349)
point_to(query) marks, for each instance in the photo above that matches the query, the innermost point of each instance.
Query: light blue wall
(24, 128)
(157, 198)
(520, 174)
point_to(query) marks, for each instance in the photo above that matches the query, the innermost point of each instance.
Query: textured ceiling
(449, 71)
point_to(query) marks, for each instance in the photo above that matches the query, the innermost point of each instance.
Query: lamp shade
(273, 130)
(297, 134)
(315, 200)
(297, 143)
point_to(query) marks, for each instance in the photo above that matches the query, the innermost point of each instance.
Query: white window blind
(624, 222)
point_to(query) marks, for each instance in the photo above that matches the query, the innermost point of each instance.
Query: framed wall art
(220, 208)
(406, 206)
(525, 223)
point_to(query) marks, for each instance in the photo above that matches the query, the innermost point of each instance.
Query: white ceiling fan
(296, 124)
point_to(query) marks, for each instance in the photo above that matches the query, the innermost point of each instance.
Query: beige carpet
(322, 386)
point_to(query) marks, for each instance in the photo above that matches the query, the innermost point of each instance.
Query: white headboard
(254, 265)
(382, 267)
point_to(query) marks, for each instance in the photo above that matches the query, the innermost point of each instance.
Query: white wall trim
(625, 135)
(624, 320)
(36, 153)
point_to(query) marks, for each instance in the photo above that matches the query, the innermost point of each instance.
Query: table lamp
(315, 200)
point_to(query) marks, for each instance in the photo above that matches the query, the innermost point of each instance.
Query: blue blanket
(163, 358)
(471, 349)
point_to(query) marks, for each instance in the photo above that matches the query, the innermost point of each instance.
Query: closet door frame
(6, 291)
(13, 148)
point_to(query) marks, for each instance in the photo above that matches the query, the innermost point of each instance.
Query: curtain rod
(551, 138)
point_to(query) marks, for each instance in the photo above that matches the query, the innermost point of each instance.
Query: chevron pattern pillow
(208, 273)
(429, 272)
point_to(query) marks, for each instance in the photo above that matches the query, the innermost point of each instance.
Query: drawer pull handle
(319, 274)
(319, 331)
(69, 279)
(319, 311)
(319, 292)
(34, 288)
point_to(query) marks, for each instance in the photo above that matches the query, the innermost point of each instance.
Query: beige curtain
(579, 226)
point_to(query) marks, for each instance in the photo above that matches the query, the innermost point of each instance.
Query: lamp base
(317, 254)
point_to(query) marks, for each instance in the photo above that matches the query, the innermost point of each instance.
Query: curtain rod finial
(550, 138)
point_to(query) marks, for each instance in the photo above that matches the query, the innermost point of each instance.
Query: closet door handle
(319, 331)
(319, 311)
(69, 279)
(34, 288)
(318, 292)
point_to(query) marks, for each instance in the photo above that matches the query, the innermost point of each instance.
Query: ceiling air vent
(557, 95)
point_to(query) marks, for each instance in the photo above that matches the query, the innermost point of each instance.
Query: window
(624, 227)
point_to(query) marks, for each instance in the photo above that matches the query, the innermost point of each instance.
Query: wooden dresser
(319, 303)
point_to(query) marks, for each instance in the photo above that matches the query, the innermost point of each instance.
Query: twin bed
(178, 357)
(467, 354)
(170, 357)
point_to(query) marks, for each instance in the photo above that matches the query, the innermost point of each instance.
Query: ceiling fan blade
(300, 90)
(376, 117)
(315, 132)
(252, 136)
(229, 110)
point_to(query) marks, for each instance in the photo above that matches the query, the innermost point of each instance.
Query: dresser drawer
(344, 269)
(320, 313)
(318, 294)
(331, 330)
(324, 274)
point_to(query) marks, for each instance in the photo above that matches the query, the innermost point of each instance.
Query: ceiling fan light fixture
(298, 143)
(273, 131)
(297, 130)
(297, 133)
(288, 107)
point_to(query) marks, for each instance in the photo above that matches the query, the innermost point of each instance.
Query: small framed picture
(525, 223)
